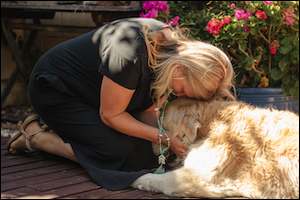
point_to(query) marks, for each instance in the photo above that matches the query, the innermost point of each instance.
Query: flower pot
(268, 97)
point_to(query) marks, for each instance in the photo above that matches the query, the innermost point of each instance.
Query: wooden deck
(35, 176)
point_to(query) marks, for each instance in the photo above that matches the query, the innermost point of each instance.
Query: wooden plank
(72, 8)
(163, 196)
(4, 139)
(60, 183)
(95, 194)
(22, 160)
(28, 166)
(37, 172)
(7, 156)
(41, 179)
(73, 189)
(21, 192)
(132, 193)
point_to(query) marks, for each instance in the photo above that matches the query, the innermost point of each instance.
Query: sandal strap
(28, 137)
(29, 149)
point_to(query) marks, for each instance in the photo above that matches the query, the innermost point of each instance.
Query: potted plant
(260, 37)
(262, 40)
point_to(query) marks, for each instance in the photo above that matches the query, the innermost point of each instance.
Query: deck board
(37, 177)
(33, 176)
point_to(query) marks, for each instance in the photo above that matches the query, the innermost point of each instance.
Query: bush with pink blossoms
(158, 10)
(262, 40)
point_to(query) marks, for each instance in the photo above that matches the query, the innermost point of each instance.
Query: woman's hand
(177, 145)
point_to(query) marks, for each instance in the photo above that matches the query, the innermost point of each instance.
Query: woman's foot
(19, 144)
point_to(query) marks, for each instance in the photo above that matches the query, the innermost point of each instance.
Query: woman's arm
(114, 101)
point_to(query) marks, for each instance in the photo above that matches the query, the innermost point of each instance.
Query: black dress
(65, 87)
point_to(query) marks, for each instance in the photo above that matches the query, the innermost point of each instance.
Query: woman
(97, 90)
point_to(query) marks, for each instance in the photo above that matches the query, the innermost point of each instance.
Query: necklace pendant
(160, 170)
(161, 160)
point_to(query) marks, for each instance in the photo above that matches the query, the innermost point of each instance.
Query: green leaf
(286, 79)
(242, 58)
(286, 40)
(285, 89)
(282, 63)
(296, 53)
(253, 31)
(257, 77)
(294, 91)
(243, 46)
(285, 49)
(276, 74)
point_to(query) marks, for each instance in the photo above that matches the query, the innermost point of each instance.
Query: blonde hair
(207, 69)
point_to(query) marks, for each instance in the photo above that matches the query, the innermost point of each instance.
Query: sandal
(27, 121)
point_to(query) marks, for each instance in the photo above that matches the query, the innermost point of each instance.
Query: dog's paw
(145, 182)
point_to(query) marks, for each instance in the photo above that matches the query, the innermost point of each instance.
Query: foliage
(191, 15)
(260, 37)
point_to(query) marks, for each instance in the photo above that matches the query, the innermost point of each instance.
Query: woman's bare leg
(47, 141)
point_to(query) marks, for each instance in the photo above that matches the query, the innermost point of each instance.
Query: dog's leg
(183, 182)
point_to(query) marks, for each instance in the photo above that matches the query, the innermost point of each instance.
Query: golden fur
(236, 150)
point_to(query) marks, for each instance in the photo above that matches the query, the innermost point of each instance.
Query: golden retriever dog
(236, 149)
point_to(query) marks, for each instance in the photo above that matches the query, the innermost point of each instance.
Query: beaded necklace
(161, 158)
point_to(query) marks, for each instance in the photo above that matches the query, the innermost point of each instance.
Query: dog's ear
(193, 135)
(187, 124)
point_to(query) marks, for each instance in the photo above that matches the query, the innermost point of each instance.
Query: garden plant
(260, 37)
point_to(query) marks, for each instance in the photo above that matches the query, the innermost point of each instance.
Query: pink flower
(175, 20)
(227, 19)
(261, 14)
(289, 20)
(213, 27)
(273, 51)
(274, 44)
(142, 15)
(232, 6)
(264, 15)
(163, 6)
(246, 28)
(248, 13)
(268, 2)
(147, 5)
(153, 13)
(241, 15)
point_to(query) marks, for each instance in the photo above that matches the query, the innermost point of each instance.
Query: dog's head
(181, 117)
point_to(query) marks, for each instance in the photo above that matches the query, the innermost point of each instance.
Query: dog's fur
(236, 150)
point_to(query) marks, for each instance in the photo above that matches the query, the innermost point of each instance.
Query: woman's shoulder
(131, 27)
